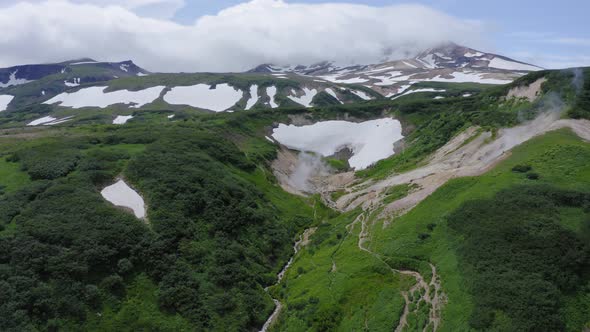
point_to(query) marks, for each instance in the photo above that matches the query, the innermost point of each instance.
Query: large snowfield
(96, 97)
(4, 101)
(370, 141)
(202, 96)
(120, 194)
(511, 65)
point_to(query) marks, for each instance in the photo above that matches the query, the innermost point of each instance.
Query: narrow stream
(303, 239)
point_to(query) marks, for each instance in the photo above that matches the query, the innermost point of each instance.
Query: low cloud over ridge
(236, 39)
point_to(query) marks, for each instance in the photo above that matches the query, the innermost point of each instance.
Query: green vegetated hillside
(218, 231)
(509, 247)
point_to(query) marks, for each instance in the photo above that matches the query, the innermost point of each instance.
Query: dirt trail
(430, 293)
(302, 242)
(470, 153)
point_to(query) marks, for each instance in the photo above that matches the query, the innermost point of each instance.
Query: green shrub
(508, 240)
(521, 168)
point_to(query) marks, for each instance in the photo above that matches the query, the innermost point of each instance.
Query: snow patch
(12, 80)
(120, 194)
(271, 91)
(4, 101)
(333, 94)
(442, 56)
(419, 90)
(253, 97)
(370, 141)
(122, 119)
(428, 61)
(76, 82)
(461, 77)
(96, 97)
(362, 94)
(511, 65)
(49, 121)
(306, 98)
(203, 96)
(84, 63)
(473, 54)
(409, 64)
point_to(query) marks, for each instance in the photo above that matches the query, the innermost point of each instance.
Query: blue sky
(555, 33)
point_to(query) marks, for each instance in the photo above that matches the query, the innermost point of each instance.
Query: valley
(295, 198)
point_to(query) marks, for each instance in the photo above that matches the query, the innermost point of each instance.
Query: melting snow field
(306, 98)
(333, 94)
(202, 96)
(122, 119)
(120, 194)
(49, 121)
(361, 94)
(369, 141)
(75, 82)
(461, 77)
(511, 65)
(253, 97)
(12, 80)
(417, 91)
(96, 97)
(4, 101)
(271, 91)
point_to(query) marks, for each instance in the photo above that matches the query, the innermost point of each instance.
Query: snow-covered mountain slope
(87, 83)
(90, 84)
(447, 63)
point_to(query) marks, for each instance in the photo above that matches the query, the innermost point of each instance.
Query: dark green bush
(521, 168)
(508, 241)
(532, 176)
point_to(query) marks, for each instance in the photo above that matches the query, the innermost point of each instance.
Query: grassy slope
(559, 157)
(363, 291)
(11, 177)
(332, 285)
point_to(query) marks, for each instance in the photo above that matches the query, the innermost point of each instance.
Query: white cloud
(237, 38)
(150, 8)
